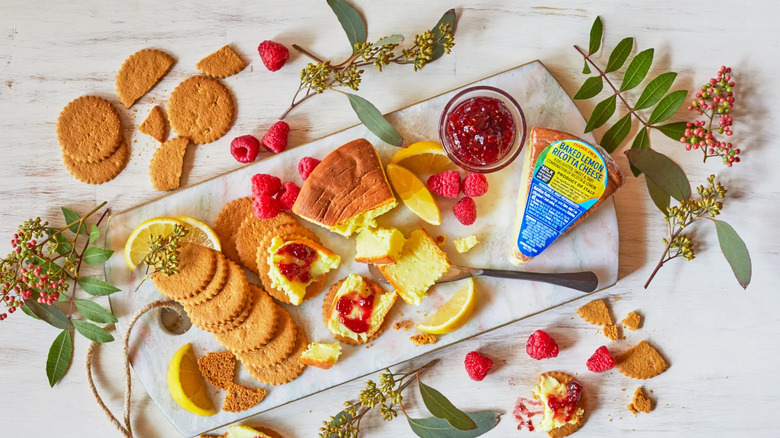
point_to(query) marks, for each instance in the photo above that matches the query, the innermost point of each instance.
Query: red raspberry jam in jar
(482, 129)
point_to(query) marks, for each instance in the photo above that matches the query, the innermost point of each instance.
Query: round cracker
(278, 347)
(299, 233)
(222, 310)
(257, 329)
(568, 428)
(228, 220)
(252, 231)
(202, 109)
(197, 265)
(328, 305)
(215, 285)
(286, 370)
(89, 129)
(100, 171)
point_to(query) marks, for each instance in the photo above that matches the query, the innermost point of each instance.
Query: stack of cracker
(218, 298)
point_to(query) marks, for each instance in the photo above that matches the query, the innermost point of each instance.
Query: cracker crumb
(633, 321)
(424, 339)
(440, 239)
(405, 324)
(640, 402)
(611, 332)
(596, 312)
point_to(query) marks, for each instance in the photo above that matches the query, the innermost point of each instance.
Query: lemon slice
(200, 233)
(414, 194)
(423, 157)
(186, 383)
(137, 245)
(453, 314)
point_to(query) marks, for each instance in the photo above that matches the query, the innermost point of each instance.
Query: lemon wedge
(453, 314)
(200, 233)
(137, 245)
(186, 383)
(414, 194)
(423, 157)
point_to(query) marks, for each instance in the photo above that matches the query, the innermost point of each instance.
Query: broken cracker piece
(155, 125)
(424, 339)
(240, 398)
(218, 368)
(221, 64)
(596, 312)
(139, 73)
(611, 332)
(633, 321)
(641, 361)
(640, 403)
(167, 164)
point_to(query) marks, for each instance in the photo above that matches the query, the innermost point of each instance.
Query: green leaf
(664, 172)
(63, 246)
(438, 428)
(586, 69)
(442, 408)
(49, 313)
(655, 90)
(438, 49)
(590, 88)
(94, 233)
(95, 255)
(351, 21)
(97, 287)
(392, 39)
(28, 312)
(374, 120)
(92, 332)
(596, 32)
(735, 251)
(641, 141)
(667, 106)
(637, 69)
(339, 419)
(616, 134)
(60, 355)
(674, 130)
(660, 198)
(72, 216)
(601, 113)
(94, 311)
(619, 55)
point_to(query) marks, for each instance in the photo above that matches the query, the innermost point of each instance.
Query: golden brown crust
(277, 348)
(538, 140)
(221, 64)
(202, 109)
(329, 305)
(228, 220)
(349, 181)
(569, 428)
(257, 329)
(227, 308)
(384, 260)
(140, 73)
(89, 129)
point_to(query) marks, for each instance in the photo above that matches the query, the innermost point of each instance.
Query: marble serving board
(593, 245)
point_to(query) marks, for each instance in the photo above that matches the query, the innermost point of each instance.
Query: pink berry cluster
(715, 98)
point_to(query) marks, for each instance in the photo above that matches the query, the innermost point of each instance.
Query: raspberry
(540, 345)
(264, 184)
(275, 139)
(477, 365)
(466, 211)
(306, 165)
(601, 360)
(474, 185)
(446, 184)
(288, 195)
(273, 54)
(266, 207)
(245, 148)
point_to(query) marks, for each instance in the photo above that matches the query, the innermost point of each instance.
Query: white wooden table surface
(722, 342)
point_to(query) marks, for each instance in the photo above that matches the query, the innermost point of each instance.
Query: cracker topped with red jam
(295, 264)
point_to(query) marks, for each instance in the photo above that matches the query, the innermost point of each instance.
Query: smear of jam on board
(481, 130)
(296, 261)
(355, 311)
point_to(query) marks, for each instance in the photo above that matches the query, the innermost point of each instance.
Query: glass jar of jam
(482, 129)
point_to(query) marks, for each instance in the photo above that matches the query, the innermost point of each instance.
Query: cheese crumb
(464, 244)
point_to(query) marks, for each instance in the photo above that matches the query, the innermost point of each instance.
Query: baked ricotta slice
(418, 266)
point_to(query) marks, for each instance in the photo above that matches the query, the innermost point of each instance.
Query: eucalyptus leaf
(438, 428)
(94, 233)
(674, 130)
(735, 251)
(601, 113)
(664, 172)
(655, 90)
(72, 216)
(94, 311)
(438, 49)
(49, 313)
(95, 255)
(619, 54)
(641, 141)
(392, 39)
(596, 32)
(442, 408)
(586, 69)
(590, 88)
(60, 355)
(92, 332)
(660, 198)
(374, 120)
(97, 287)
(667, 106)
(339, 419)
(28, 312)
(637, 69)
(616, 134)
(351, 21)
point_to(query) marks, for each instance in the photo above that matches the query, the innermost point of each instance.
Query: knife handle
(585, 281)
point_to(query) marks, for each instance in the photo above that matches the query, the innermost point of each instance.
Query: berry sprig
(714, 99)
